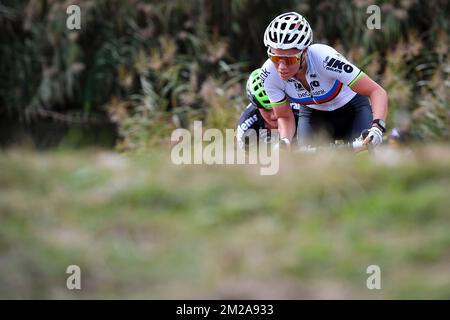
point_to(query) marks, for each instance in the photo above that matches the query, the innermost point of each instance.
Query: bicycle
(358, 145)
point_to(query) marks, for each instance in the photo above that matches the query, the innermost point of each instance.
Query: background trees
(151, 66)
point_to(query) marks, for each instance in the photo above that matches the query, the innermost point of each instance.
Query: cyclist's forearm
(379, 100)
(286, 127)
(378, 96)
(285, 120)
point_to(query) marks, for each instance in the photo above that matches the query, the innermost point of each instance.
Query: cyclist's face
(286, 71)
(269, 117)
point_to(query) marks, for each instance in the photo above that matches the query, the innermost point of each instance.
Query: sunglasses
(288, 59)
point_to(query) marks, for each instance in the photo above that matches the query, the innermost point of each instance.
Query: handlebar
(357, 145)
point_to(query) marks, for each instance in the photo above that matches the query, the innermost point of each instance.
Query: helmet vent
(294, 38)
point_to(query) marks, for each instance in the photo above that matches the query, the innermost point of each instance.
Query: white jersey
(328, 73)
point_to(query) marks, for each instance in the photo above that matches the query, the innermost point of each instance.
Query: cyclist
(259, 114)
(332, 91)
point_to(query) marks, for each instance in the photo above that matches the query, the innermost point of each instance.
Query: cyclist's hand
(375, 136)
(284, 145)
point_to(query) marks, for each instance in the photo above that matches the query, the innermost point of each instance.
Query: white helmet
(287, 31)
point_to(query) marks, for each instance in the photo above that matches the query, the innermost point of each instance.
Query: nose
(282, 65)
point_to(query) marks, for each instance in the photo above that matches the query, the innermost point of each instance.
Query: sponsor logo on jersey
(263, 74)
(298, 86)
(318, 92)
(244, 126)
(314, 84)
(318, 97)
(303, 94)
(337, 65)
(308, 95)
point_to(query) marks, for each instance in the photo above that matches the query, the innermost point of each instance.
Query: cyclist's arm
(378, 96)
(340, 68)
(285, 119)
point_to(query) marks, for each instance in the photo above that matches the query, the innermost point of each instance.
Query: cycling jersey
(328, 73)
(251, 118)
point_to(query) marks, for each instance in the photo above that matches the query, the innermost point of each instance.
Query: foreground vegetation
(140, 227)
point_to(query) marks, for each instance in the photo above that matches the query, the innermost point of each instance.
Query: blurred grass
(140, 227)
